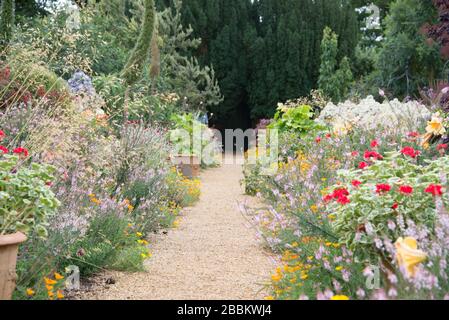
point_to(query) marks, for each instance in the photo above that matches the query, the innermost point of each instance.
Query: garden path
(214, 254)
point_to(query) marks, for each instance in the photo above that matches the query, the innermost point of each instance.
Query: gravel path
(214, 254)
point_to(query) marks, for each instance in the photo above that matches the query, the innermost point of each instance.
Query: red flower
(406, 189)
(343, 200)
(374, 144)
(373, 154)
(340, 193)
(328, 136)
(2, 134)
(356, 183)
(382, 188)
(41, 91)
(442, 147)
(363, 165)
(318, 140)
(355, 154)
(4, 149)
(410, 152)
(435, 190)
(328, 198)
(21, 151)
(395, 206)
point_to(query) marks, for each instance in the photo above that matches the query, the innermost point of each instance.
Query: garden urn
(189, 165)
(9, 246)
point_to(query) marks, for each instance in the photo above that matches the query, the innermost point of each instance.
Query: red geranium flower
(21, 151)
(328, 136)
(410, 152)
(318, 140)
(343, 200)
(406, 189)
(395, 206)
(374, 144)
(355, 154)
(4, 149)
(442, 147)
(435, 190)
(382, 188)
(373, 154)
(413, 134)
(356, 183)
(2, 134)
(363, 165)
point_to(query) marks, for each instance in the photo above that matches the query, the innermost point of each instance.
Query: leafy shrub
(384, 198)
(26, 201)
(297, 119)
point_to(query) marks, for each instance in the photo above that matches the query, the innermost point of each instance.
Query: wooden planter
(188, 165)
(9, 246)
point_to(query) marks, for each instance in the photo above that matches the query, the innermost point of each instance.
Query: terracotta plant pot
(9, 246)
(188, 165)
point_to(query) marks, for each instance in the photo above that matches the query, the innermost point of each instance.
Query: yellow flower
(30, 292)
(276, 277)
(59, 294)
(58, 276)
(50, 294)
(269, 298)
(49, 288)
(314, 209)
(435, 126)
(340, 297)
(139, 234)
(339, 268)
(143, 255)
(408, 255)
(304, 277)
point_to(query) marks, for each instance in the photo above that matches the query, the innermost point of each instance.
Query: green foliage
(26, 201)
(333, 82)
(139, 56)
(106, 244)
(7, 17)
(372, 211)
(296, 119)
(407, 60)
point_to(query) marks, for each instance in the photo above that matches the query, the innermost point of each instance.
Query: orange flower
(59, 294)
(58, 276)
(49, 281)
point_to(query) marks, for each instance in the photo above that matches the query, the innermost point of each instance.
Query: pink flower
(435, 190)
(406, 189)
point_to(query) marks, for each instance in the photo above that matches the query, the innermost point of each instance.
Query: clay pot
(188, 165)
(9, 246)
